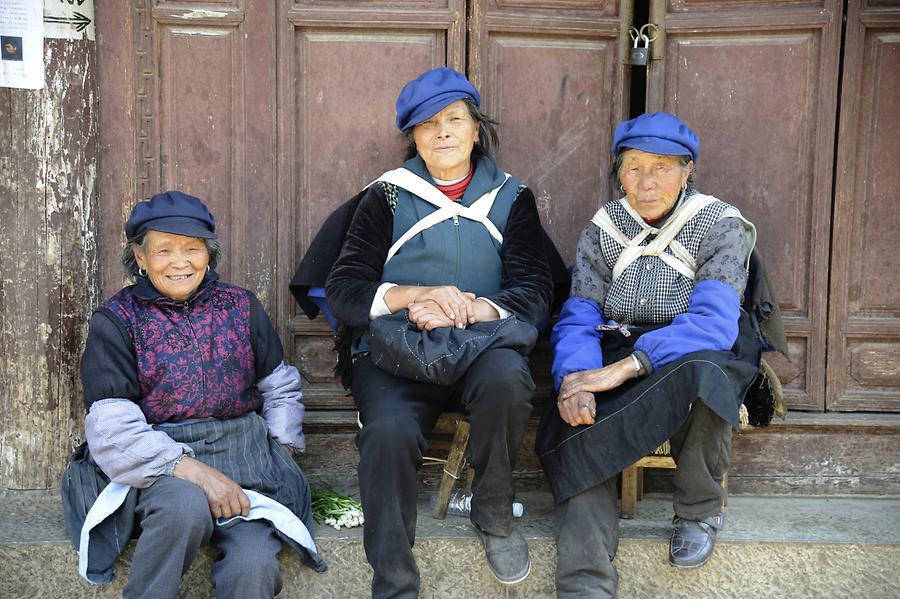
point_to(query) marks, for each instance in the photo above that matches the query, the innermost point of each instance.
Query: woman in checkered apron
(652, 345)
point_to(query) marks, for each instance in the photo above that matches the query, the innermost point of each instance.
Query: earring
(142, 272)
(207, 268)
(621, 188)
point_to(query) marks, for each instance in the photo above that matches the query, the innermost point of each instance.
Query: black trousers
(587, 524)
(397, 414)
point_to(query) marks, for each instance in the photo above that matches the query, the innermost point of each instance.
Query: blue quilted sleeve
(711, 322)
(576, 341)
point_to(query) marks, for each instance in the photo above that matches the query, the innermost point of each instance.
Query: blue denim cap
(430, 93)
(657, 133)
(172, 212)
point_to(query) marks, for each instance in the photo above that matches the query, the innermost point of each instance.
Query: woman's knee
(503, 370)
(248, 565)
(180, 505)
(500, 383)
(392, 436)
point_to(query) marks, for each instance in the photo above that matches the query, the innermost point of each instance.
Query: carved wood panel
(864, 324)
(759, 86)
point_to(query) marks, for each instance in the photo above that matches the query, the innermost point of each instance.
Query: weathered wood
(628, 505)
(456, 461)
(633, 480)
(864, 328)
(728, 64)
(48, 262)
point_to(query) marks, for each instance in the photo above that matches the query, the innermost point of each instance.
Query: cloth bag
(441, 356)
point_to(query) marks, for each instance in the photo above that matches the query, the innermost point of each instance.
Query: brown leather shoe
(693, 540)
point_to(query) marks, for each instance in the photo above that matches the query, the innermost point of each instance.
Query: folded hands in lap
(447, 306)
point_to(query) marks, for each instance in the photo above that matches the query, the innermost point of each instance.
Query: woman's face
(445, 141)
(652, 182)
(175, 264)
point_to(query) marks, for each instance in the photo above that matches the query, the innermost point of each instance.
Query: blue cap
(172, 212)
(430, 93)
(657, 133)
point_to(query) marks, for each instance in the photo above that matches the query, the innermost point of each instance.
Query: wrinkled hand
(428, 316)
(226, 499)
(578, 409)
(598, 379)
(455, 304)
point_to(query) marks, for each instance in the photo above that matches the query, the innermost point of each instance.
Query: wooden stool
(451, 423)
(633, 479)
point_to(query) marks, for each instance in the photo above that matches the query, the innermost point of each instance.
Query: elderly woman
(192, 415)
(652, 345)
(456, 241)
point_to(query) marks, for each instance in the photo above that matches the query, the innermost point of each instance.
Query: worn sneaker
(693, 540)
(507, 557)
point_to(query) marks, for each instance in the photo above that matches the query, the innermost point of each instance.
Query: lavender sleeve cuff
(126, 447)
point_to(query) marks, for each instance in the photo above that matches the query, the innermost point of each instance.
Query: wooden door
(188, 102)
(340, 69)
(758, 83)
(550, 72)
(864, 323)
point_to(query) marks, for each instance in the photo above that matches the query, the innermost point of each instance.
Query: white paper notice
(21, 44)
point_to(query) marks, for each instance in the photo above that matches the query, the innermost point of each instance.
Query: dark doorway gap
(638, 104)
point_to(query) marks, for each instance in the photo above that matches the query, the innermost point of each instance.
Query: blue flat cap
(657, 133)
(172, 212)
(430, 93)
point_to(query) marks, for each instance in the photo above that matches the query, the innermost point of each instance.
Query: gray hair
(488, 139)
(139, 242)
(682, 162)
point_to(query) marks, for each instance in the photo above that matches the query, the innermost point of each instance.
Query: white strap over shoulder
(682, 261)
(446, 208)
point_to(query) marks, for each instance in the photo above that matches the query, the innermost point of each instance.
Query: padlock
(640, 55)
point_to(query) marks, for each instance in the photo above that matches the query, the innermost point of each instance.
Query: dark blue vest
(460, 253)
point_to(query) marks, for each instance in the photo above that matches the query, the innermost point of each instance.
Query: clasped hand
(576, 401)
(447, 306)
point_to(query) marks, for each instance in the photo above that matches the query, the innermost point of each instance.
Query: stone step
(770, 547)
(810, 454)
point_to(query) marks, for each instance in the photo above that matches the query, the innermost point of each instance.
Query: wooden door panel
(341, 71)
(759, 87)
(201, 115)
(549, 72)
(864, 325)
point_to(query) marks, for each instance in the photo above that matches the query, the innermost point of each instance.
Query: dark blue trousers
(397, 414)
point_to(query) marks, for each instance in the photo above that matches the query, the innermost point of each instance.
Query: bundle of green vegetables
(335, 509)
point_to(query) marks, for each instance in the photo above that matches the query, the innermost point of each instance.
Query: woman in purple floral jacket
(192, 415)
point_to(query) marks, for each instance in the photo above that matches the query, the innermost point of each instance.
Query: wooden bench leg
(629, 492)
(640, 483)
(456, 461)
(725, 488)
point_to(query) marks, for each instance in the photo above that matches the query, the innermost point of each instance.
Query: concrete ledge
(771, 547)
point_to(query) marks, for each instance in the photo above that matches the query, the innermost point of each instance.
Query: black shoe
(693, 541)
(507, 557)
